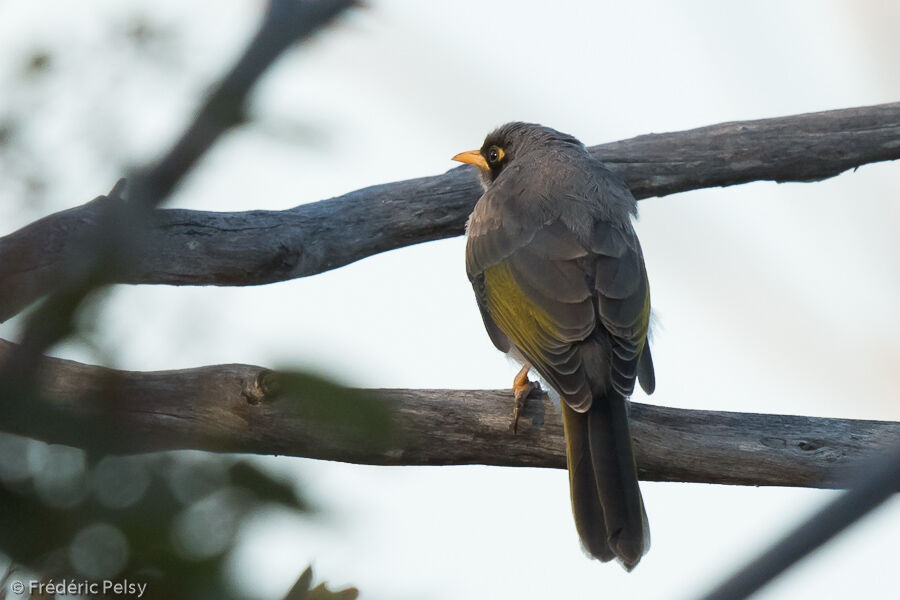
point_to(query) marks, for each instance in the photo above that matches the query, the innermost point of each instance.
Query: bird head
(511, 141)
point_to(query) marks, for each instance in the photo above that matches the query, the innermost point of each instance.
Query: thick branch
(187, 247)
(231, 408)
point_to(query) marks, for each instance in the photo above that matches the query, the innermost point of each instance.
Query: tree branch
(110, 246)
(186, 247)
(285, 23)
(234, 408)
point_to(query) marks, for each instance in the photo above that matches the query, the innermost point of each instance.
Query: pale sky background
(770, 298)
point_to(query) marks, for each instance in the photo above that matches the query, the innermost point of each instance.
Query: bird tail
(606, 500)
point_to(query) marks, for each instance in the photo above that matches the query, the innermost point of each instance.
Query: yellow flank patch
(525, 323)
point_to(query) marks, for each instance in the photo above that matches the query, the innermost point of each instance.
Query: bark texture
(187, 247)
(238, 408)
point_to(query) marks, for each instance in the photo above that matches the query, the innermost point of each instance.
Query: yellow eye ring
(494, 155)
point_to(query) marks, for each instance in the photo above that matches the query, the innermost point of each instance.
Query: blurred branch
(875, 483)
(285, 23)
(184, 247)
(103, 247)
(238, 408)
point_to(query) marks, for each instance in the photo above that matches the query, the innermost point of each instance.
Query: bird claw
(521, 391)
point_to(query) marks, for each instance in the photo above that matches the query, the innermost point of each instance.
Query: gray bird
(559, 278)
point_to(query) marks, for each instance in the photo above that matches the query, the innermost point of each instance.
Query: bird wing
(540, 288)
(623, 304)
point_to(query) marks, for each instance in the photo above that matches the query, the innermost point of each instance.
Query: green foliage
(302, 591)
(167, 519)
(353, 416)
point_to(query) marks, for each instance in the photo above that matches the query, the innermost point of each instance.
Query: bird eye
(494, 155)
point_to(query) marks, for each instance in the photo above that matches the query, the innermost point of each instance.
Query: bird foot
(522, 388)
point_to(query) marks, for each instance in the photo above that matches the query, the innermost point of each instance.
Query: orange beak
(472, 157)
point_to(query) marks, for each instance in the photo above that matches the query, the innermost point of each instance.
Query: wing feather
(561, 300)
(623, 300)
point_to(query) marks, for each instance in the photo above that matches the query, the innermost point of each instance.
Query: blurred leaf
(320, 592)
(177, 502)
(37, 62)
(265, 486)
(353, 416)
(302, 591)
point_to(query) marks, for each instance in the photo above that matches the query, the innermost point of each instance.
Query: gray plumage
(557, 223)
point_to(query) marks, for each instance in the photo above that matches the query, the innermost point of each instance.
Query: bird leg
(522, 388)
